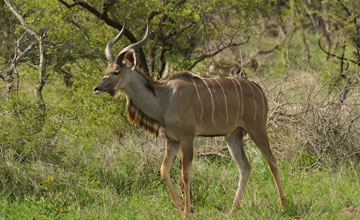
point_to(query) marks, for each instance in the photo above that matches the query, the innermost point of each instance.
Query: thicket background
(68, 154)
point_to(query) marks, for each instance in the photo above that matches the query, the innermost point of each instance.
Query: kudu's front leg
(172, 148)
(186, 161)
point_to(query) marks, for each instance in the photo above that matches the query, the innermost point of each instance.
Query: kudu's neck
(142, 92)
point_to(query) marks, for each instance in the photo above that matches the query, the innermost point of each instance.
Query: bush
(308, 118)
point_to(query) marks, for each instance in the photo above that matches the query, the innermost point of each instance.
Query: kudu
(187, 106)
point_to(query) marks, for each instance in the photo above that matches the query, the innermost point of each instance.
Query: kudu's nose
(96, 89)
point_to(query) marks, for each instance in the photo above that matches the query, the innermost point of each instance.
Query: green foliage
(82, 160)
(24, 133)
(345, 14)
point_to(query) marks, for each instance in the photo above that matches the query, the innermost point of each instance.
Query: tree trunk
(8, 78)
(42, 77)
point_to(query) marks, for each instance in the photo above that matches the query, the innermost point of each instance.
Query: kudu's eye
(116, 73)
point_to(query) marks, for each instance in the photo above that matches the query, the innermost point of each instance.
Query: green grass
(314, 194)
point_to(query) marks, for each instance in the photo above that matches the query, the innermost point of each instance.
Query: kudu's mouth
(97, 91)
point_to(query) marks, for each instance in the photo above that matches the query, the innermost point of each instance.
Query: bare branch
(260, 52)
(336, 56)
(7, 76)
(42, 65)
(107, 5)
(205, 56)
(153, 14)
(21, 19)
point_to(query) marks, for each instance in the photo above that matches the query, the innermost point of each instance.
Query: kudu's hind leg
(236, 148)
(262, 141)
(172, 148)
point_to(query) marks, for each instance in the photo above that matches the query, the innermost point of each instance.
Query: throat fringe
(140, 120)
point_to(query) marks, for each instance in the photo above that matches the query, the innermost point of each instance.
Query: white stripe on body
(242, 97)
(225, 100)
(262, 98)
(212, 101)
(237, 95)
(252, 91)
(198, 95)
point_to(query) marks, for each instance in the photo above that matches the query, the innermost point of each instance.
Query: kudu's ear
(130, 59)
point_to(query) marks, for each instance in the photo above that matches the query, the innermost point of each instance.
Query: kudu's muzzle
(98, 87)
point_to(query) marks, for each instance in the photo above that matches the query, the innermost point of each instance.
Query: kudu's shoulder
(183, 75)
(182, 80)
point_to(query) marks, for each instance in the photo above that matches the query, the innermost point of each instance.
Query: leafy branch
(105, 17)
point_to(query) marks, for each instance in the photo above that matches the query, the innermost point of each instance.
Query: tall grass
(121, 180)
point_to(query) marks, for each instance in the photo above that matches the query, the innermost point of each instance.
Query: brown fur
(148, 79)
(186, 129)
(182, 74)
(167, 101)
(262, 91)
(140, 120)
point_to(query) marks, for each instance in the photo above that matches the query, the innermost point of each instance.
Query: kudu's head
(119, 68)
